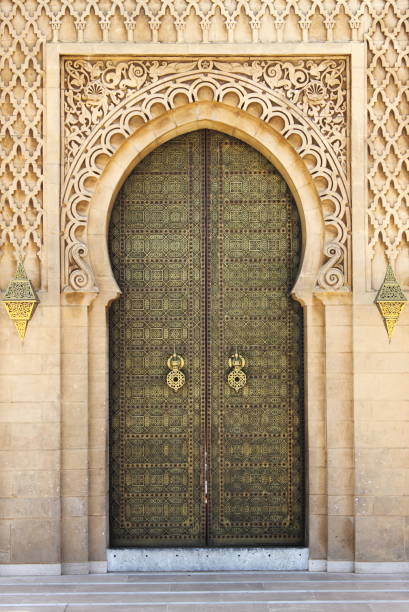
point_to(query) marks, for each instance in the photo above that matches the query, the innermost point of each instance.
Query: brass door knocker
(175, 378)
(237, 378)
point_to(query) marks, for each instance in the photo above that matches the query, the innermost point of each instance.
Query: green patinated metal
(205, 245)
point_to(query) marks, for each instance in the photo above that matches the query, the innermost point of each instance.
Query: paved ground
(224, 592)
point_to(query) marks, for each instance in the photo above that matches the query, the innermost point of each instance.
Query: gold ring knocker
(236, 377)
(175, 378)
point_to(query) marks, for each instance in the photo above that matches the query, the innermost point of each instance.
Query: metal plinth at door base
(206, 559)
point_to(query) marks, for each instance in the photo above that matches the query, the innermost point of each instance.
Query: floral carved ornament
(106, 100)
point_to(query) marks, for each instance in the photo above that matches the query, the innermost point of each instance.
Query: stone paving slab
(209, 592)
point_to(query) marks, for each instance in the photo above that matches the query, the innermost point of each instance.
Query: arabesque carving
(305, 99)
(388, 151)
(25, 25)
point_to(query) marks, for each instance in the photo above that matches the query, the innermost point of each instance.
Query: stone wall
(53, 393)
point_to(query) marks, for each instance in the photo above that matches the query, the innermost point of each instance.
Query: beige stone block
(73, 458)
(5, 536)
(97, 505)
(74, 483)
(98, 482)
(51, 412)
(98, 382)
(380, 538)
(367, 315)
(74, 539)
(364, 505)
(406, 537)
(339, 339)
(6, 484)
(381, 434)
(75, 387)
(316, 339)
(341, 457)
(317, 480)
(339, 409)
(374, 339)
(27, 436)
(21, 364)
(316, 362)
(317, 457)
(317, 504)
(389, 386)
(41, 340)
(98, 537)
(21, 412)
(74, 435)
(338, 363)
(374, 410)
(50, 364)
(340, 538)
(11, 508)
(392, 505)
(35, 541)
(75, 316)
(36, 484)
(339, 387)
(318, 533)
(316, 434)
(315, 410)
(382, 457)
(340, 481)
(75, 412)
(340, 434)
(34, 388)
(5, 389)
(73, 363)
(316, 386)
(97, 458)
(98, 404)
(340, 505)
(380, 481)
(97, 433)
(47, 317)
(74, 506)
(73, 343)
(29, 459)
(381, 362)
(337, 314)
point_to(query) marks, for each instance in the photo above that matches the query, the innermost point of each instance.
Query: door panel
(156, 244)
(256, 492)
(205, 243)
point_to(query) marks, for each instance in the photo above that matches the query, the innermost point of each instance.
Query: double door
(205, 244)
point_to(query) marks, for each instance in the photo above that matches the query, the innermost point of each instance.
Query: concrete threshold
(206, 559)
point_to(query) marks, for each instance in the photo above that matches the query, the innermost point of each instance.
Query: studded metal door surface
(255, 447)
(204, 242)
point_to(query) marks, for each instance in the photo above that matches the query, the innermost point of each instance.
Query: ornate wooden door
(205, 244)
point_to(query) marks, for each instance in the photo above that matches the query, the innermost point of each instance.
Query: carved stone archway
(108, 102)
(225, 119)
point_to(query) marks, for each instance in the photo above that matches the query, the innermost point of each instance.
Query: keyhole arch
(231, 121)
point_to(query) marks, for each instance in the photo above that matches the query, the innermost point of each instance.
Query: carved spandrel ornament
(304, 98)
(390, 300)
(20, 300)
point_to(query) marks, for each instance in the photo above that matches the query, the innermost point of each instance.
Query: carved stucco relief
(305, 99)
(26, 25)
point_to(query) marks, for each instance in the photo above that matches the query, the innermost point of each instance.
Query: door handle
(236, 377)
(175, 378)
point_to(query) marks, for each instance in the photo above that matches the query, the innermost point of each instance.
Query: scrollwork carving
(308, 97)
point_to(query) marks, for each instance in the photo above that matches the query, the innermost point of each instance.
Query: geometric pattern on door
(205, 242)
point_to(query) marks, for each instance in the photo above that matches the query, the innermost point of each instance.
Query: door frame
(83, 313)
(280, 153)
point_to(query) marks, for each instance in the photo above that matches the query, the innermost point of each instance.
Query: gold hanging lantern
(390, 300)
(20, 300)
